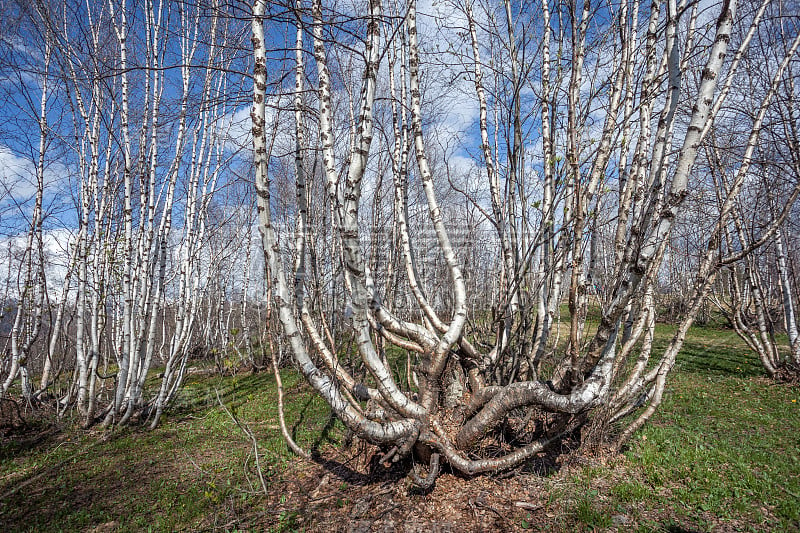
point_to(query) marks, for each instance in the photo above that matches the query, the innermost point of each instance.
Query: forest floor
(722, 454)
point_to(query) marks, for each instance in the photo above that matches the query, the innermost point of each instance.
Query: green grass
(721, 454)
(725, 446)
(195, 470)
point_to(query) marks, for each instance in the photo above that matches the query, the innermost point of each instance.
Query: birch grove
(145, 135)
(758, 284)
(621, 99)
(459, 222)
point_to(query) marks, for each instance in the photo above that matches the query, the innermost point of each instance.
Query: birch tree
(658, 95)
(756, 269)
(31, 282)
(141, 162)
(757, 279)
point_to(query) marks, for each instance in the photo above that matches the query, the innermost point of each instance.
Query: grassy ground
(721, 454)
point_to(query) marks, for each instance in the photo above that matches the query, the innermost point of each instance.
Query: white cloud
(57, 244)
(460, 114)
(235, 128)
(17, 176)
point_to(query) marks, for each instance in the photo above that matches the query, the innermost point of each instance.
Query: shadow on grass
(672, 528)
(19, 441)
(302, 418)
(721, 360)
(200, 393)
(713, 352)
(59, 476)
(106, 481)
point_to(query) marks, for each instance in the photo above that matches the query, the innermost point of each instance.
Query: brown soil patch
(351, 491)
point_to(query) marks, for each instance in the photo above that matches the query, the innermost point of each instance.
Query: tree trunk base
(788, 372)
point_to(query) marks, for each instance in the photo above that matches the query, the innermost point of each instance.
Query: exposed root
(401, 450)
(433, 472)
(788, 372)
